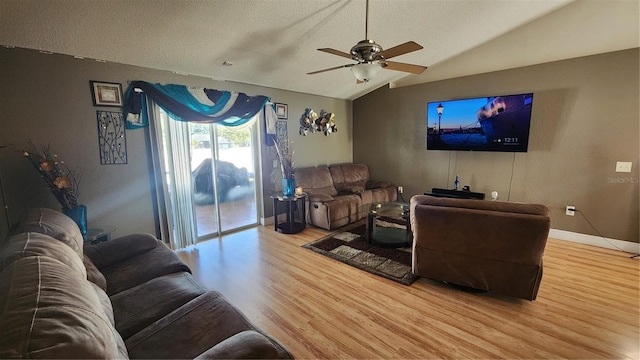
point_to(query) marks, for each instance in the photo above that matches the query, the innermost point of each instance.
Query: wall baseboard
(595, 241)
(266, 221)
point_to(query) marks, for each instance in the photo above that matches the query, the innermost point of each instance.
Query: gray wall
(47, 98)
(585, 118)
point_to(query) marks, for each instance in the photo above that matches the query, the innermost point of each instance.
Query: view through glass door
(223, 174)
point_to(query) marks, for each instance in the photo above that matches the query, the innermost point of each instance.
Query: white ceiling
(273, 43)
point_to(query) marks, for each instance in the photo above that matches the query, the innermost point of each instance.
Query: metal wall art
(282, 135)
(112, 142)
(310, 121)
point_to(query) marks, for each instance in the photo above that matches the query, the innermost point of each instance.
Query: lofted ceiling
(273, 43)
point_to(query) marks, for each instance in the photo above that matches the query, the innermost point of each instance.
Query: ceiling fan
(371, 57)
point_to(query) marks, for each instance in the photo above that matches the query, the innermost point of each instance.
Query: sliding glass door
(207, 176)
(223, 167)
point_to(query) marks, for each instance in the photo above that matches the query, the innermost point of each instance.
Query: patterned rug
(350, 246)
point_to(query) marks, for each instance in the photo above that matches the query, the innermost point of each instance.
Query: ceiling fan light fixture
(366, 71)
(371, 57)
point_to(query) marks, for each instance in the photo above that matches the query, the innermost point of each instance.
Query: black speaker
(455, 194)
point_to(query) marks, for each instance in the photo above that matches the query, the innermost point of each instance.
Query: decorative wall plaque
(112, 142)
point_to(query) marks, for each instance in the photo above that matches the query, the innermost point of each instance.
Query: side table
(96, 235)
(296, 213)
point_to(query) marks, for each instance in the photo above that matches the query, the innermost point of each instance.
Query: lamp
(440, 110)
(366, 70)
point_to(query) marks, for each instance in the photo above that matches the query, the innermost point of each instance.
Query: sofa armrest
(377, 184)
(245, 345)
(320, 198)
(110, 252)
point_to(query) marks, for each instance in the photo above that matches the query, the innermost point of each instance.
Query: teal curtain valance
(194, 104)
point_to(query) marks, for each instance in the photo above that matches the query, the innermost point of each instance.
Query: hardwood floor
(233, 214)
(587, 306)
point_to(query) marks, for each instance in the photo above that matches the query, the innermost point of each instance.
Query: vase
(288, 186)
(79, 215)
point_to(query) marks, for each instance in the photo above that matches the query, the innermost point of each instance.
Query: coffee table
(388, 236)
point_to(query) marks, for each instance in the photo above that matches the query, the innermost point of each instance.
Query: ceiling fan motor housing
(366, 51)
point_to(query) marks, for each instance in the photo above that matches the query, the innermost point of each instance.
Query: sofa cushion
(316, 180)
(51, 312)
(140, 306)
(346, 175)
(37, 244)
(135, 270)
(245, 345)
(193, 328)
(343, 210)
(55, 224)
(111, 252)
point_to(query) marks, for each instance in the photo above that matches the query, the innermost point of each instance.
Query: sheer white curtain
(172, 167)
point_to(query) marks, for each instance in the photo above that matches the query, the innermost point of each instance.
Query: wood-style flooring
(587, 306)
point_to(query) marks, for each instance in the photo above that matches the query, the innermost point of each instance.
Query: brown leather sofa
(129, 297)
(487, 245)
(336, 192)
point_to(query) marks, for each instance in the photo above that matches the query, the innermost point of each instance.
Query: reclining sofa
(487, 245)
(129, 297)
(336, 192)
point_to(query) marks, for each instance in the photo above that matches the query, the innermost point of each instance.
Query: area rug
(350, 246)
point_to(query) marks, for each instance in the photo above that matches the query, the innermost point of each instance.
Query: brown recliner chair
(487, 245)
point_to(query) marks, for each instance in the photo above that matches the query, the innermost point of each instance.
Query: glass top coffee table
(393, 235)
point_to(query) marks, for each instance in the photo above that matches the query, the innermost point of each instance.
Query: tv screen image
(497, 123)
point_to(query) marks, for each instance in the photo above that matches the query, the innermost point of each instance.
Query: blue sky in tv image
(497, 123)
(456, 113)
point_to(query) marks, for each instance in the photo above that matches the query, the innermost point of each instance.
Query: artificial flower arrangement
(285, 173)
(62, 181)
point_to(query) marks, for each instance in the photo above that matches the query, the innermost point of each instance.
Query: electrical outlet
(623, 166)
(570, 211)
(400, 189)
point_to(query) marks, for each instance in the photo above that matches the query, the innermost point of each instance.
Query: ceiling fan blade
(410, 68)
(329, 69)
(337, 52)
(401, 49)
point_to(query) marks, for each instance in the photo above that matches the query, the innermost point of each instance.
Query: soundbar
(458, 194)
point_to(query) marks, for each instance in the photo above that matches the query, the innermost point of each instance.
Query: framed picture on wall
(282, 110)
(106, 94)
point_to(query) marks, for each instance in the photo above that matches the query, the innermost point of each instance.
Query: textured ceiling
(273, 43)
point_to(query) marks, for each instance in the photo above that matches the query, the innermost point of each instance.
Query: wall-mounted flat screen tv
(497, 123)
